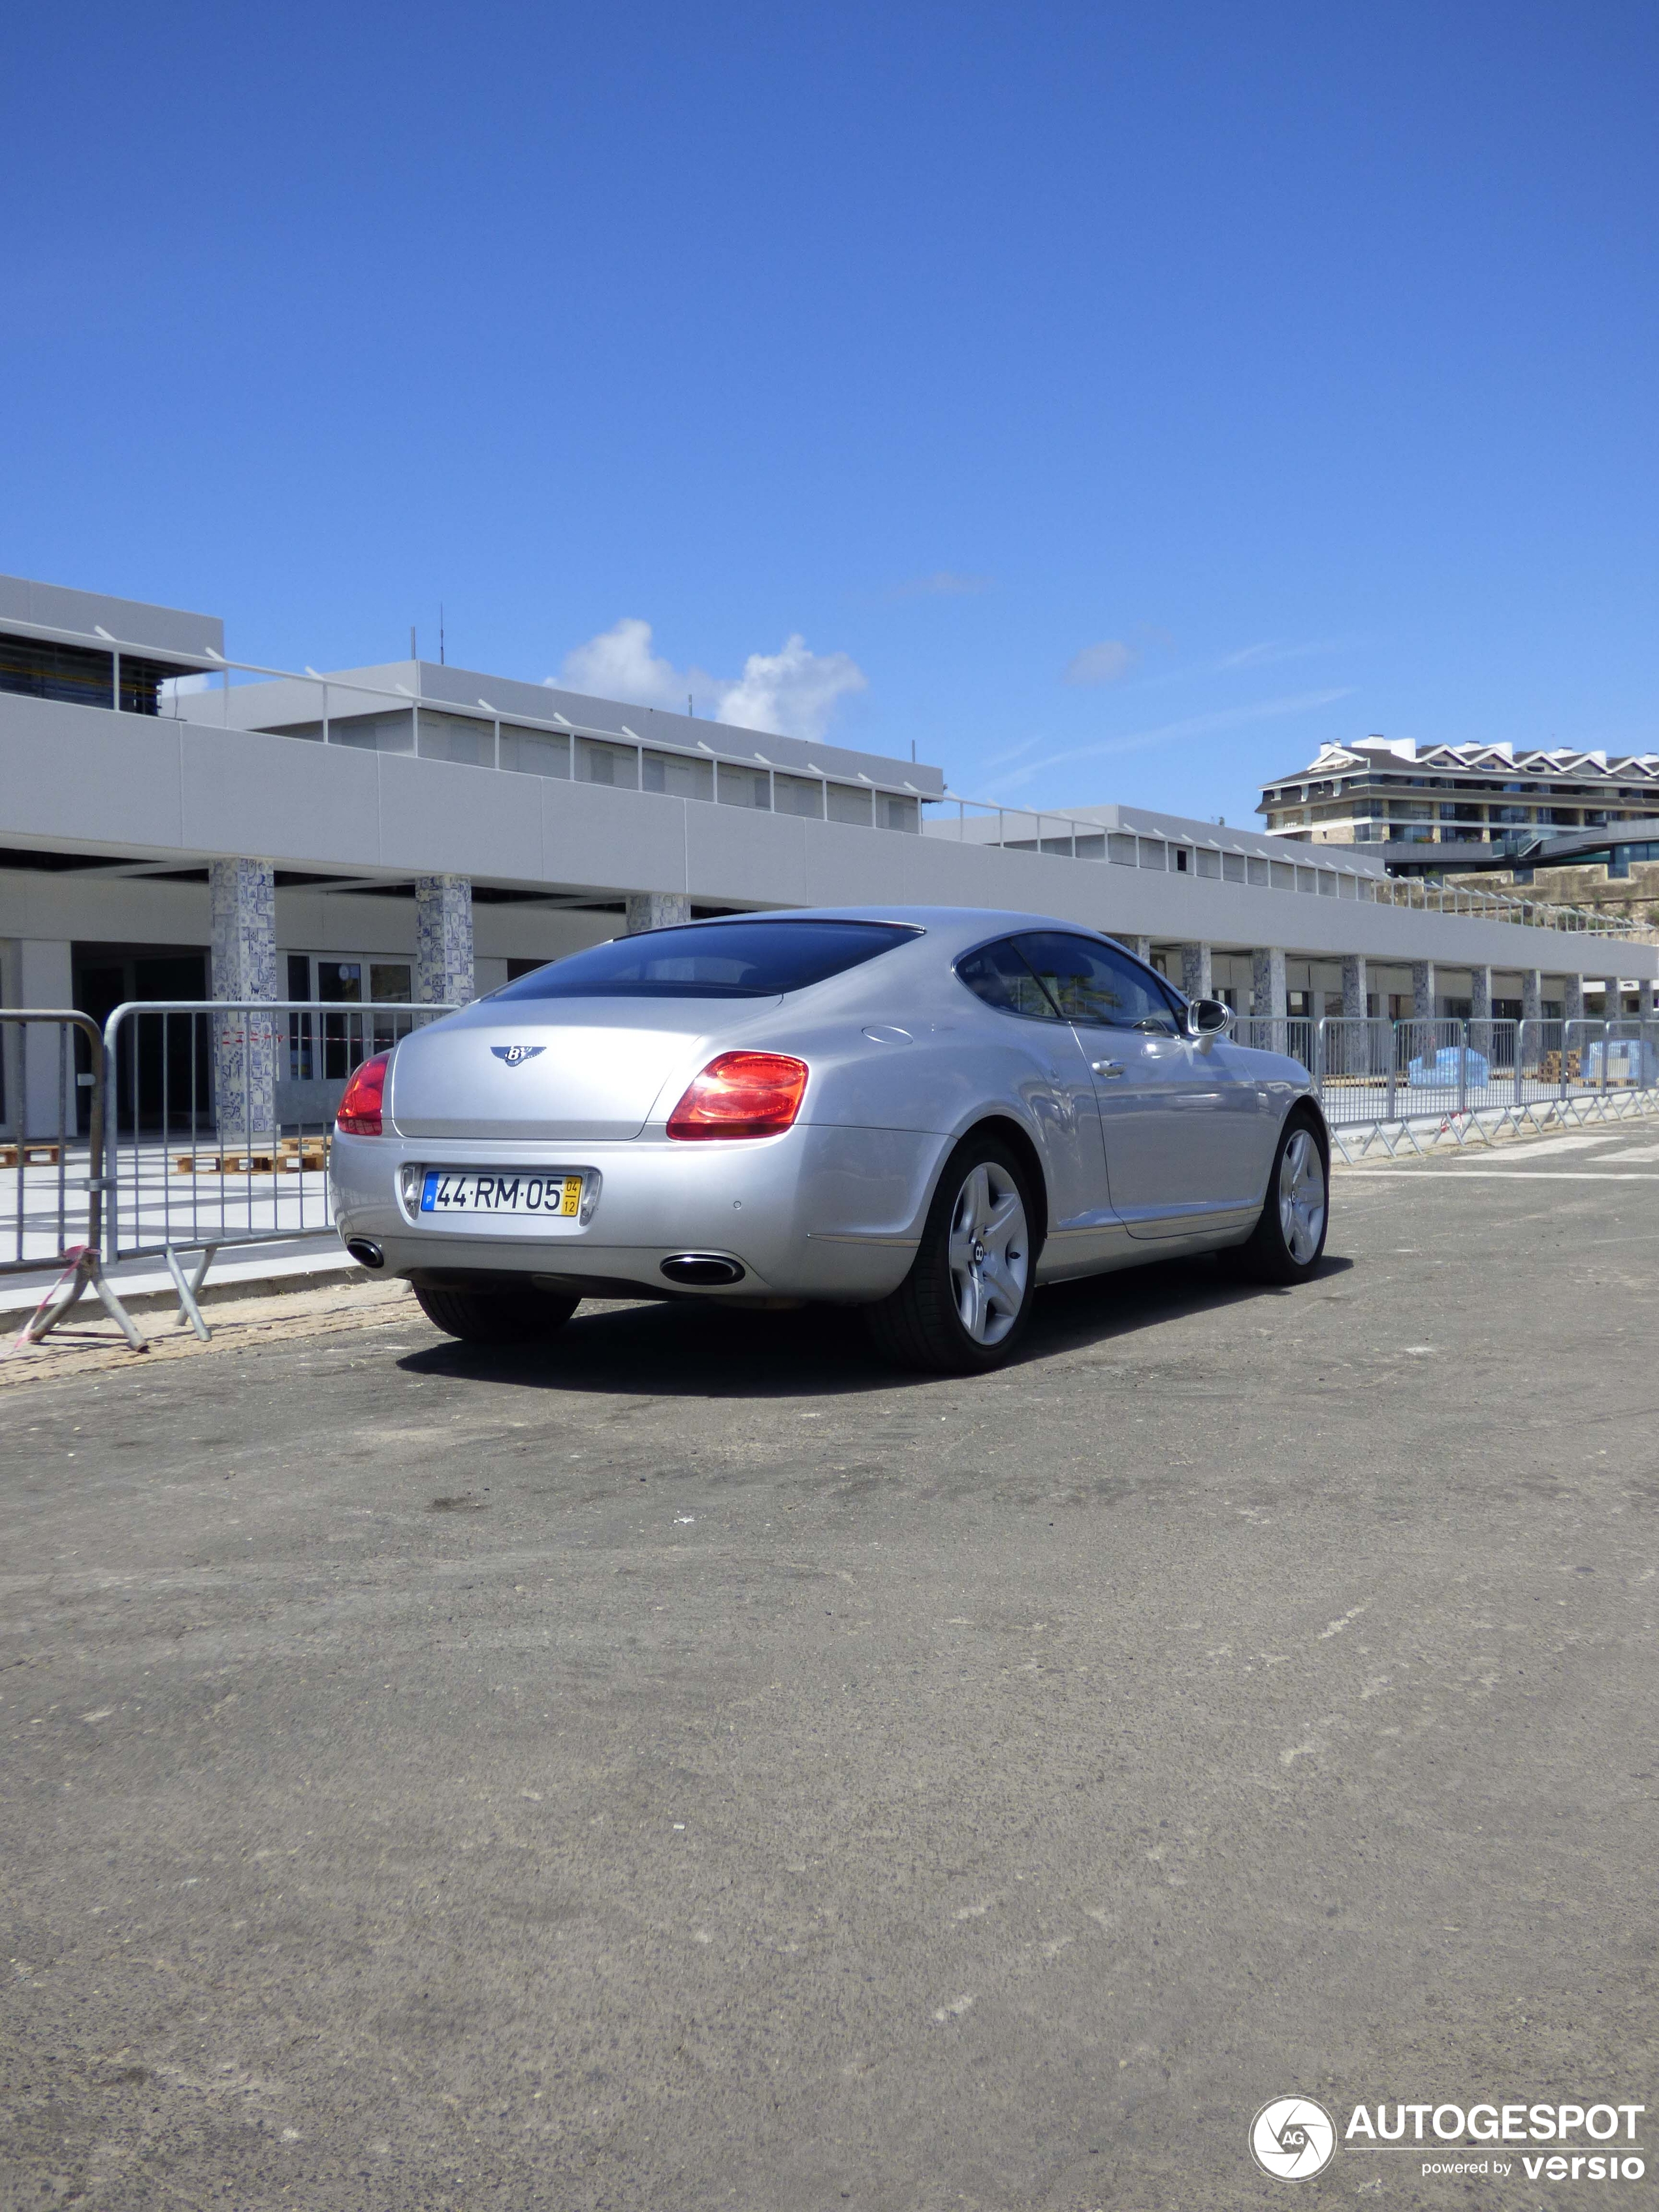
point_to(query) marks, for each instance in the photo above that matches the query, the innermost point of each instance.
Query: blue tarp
(1630, 1060)
(1440, 1073)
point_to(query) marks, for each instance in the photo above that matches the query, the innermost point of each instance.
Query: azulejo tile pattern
(243, 896)
(443, 940)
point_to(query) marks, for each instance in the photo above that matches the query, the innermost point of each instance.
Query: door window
(1092, 984)
(997, 973)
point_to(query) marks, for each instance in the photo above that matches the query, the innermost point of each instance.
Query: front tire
(1288, 1241)
(497, 1316)
(965, 1303)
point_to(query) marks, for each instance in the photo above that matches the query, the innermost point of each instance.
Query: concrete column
(1572, 998)
(1480, 1011)
(1196, 972)
(1612, 1000)
(1422, 990)
(443, 941)
(1648, 1001)
(242, 895)
(1142, 948)
(657, 910)
(1267, 993)
(44, 977)
(1354, 988)
(1532, 994)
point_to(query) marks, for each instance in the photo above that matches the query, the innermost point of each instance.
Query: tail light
(360, 1108)
(742, 1094)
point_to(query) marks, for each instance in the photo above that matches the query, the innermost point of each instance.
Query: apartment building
(1412, 801)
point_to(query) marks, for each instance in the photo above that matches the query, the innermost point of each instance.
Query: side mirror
(1208, 1018)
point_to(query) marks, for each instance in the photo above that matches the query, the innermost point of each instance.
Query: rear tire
(497, 1316)
(964, 1307)
(1288, 1241)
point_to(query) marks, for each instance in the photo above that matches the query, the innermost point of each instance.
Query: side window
(997, 974)
(1091, 982)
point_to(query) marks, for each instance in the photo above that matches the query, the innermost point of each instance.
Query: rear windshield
(712, 960)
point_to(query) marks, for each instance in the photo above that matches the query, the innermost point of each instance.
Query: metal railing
(218, 1114)
(52, 1174)
(1377, 1071)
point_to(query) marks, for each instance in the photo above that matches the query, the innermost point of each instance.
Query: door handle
(1106, 1067)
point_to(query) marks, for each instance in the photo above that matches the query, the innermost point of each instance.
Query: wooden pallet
(31, 1156)
(1549, 1069)
(293, 1155)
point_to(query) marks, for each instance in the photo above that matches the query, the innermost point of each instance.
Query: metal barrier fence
(1376, 1071)
(218, 1114)
(51, 1177)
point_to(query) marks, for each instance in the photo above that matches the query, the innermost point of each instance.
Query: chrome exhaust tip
(703, 1270)
(365, 1251)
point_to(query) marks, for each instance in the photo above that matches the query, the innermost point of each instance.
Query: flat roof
(101, 622)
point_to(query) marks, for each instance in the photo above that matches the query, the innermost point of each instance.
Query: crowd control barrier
(218, 1114)
(51, 1154)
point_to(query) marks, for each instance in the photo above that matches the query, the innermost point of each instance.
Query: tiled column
(1422, 990)
(1142, 949)
(1532, 994)
(1196, 974)
(1612, 1000)
(1649, 1001)
(242, 896)
(1572, 998)
(1354, 988)
(443, 941)
(1480, 1011)
(657, 910)
(1267, 993)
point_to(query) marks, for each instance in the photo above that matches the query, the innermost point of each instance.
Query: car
(928, 1112)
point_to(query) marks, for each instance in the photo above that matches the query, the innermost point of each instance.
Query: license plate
(468, 1190)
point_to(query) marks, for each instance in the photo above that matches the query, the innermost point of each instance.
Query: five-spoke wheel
(968, 1296)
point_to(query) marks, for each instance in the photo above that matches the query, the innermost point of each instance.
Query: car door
(1059, 1090)
(1176, 1122)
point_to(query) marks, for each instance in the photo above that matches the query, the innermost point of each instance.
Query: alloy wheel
(1302, 1197)
(989, 1253)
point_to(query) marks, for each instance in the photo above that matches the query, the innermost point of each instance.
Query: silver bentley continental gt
(925, 1111)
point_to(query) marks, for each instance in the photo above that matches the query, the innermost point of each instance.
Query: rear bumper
(820, 1213)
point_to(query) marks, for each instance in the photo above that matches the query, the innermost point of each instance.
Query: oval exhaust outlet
(365, 1252)
(703, 1270)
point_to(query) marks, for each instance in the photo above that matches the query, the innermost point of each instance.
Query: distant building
(1412, 801)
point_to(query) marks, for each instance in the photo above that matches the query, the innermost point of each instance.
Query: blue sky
(1115, 401)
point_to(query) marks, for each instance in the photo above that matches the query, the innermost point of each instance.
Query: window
(1091, 982)
(68, 672)
(681, 775)
(743, 786)
(712, 960)
(534, 753)
(997, 973)
(798, 794)
(598, 763)
(461, 738)
(850, 802)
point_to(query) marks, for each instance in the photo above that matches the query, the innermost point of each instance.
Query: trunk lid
(594, 1071)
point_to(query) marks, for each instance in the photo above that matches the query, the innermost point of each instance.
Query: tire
(964, 1307)
(497, 1316)
(1288, 1241)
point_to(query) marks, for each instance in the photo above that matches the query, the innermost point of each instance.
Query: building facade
(1410, 802)
(405, 832)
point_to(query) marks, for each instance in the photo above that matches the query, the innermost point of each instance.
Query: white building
(407, 830)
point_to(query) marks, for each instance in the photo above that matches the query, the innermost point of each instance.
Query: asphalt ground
(691, 1765)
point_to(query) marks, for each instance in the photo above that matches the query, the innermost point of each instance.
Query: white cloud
(793, 691)
(1270, 651)
(1102, 664)
(944, 583)
(1194, 726)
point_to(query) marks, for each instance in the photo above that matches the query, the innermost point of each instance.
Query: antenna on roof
(412, 654)
(440, 633)
(690, 708)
